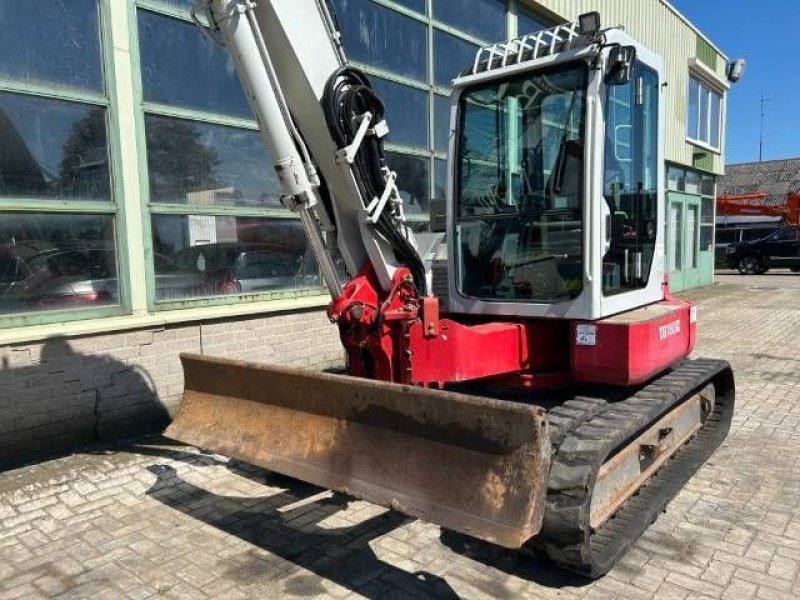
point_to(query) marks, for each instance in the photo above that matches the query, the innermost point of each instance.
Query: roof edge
(693, 27)
(761, 162)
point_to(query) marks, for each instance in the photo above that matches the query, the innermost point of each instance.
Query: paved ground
(152, 520)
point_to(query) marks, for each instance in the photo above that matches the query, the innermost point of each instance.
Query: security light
(736, 70)
(589, 23)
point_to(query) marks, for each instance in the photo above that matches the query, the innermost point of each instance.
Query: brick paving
(155, 520)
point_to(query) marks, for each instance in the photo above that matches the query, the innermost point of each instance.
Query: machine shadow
(264, 522)
(60, 401)
(512, 562)
(293, 533)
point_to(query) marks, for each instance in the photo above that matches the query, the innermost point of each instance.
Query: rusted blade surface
(475, 465)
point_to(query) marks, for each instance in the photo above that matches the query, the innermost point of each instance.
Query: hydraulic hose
(348, 95)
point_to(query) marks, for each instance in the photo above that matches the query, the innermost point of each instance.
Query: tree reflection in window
(190, 162)
(52, 149)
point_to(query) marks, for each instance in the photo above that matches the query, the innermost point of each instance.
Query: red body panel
(468, 352)
(400, 337)
(464, 352)
(631, 348)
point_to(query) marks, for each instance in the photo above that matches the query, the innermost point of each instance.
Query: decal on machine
(586, 335)
(669, 330)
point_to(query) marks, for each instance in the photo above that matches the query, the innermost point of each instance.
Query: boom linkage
(337, 180)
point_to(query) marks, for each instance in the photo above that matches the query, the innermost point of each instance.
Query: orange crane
(753, 205)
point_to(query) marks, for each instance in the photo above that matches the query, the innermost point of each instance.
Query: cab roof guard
(524, 48)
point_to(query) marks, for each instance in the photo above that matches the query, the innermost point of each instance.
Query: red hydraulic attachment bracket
(430, 316)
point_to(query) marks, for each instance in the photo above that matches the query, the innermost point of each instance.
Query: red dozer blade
(475, 465)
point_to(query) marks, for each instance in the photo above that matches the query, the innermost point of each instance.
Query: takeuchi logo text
(668, 330)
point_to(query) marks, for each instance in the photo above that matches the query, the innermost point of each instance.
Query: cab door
(631, 182)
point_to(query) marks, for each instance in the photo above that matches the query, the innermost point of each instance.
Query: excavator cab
(556, 204)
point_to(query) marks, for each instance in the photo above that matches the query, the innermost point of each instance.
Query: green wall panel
(706, 53)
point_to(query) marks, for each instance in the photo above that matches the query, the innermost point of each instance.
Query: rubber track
(587, 431)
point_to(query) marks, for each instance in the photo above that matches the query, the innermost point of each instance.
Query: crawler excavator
(526, 381)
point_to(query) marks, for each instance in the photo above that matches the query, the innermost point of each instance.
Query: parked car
(734, 233)
(780, 249)
(14, 258)
(241, 267)
(85, 277)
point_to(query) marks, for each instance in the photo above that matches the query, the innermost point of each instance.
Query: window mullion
(49, 91)
(190, 114)
(221, 211)
(40, 205)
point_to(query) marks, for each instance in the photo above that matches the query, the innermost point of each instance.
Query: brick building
(140, 214)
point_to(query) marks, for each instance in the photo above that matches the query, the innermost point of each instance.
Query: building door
(683, 241)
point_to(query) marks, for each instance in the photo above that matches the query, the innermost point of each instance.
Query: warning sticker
(586, 335)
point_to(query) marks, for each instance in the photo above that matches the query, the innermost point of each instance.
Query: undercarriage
(577, 483)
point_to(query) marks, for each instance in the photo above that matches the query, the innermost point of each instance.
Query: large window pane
(52, 149)
(417, 5)
(383, 37)
(184, 4)
(203, 255)
(714, 120)
(50, 262)
(201, 164)
(528, 23)
(692, 182)
(676, 179)
(413, 181)
(406, 113)
(182, 68)
(702, 132)
(692, 234)
(440, 178)
(441, 123)
(55, 42)
(438, 206)
(451, 55)
(485, 19)
(693, 110)
(707, 187)
(674, 235)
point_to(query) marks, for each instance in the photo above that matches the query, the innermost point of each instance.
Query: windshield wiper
(542, 258)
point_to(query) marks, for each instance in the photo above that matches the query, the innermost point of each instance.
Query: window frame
(575, 64)
(709, 90)
(142, 108)
(114, 207)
